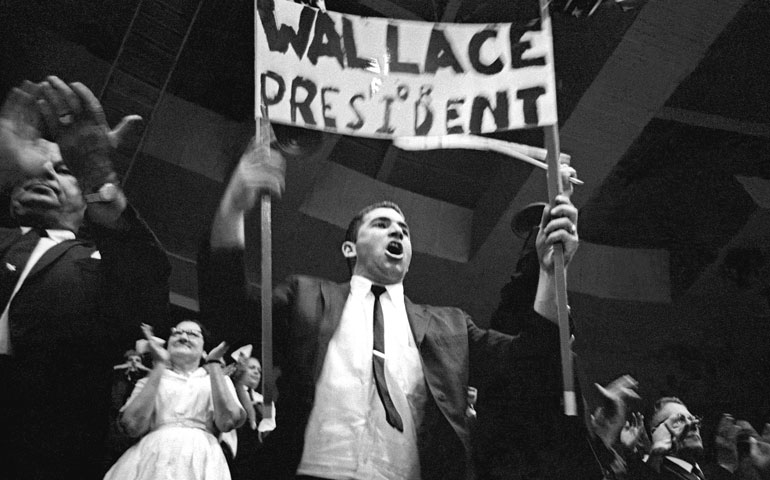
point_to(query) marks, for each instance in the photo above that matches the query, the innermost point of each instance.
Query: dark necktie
(14, 261)
(378, 362)
(698, 473)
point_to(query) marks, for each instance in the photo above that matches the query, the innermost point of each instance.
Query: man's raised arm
(260, 169)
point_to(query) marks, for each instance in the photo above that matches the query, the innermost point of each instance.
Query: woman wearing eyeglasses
(180, 408)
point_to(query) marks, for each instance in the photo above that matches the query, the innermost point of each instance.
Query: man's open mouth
(395, 250)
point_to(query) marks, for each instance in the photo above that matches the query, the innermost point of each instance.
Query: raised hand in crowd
(217, 353)
(66, 109)
(609, 418)
(261, 168)
(74, 119)
(155, 348)
(725, 446)
(662, 439)
(760, 456)
(633, 436)
(21, 146)
(753, 453)
(559, 224)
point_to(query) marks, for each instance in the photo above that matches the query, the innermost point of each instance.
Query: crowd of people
(373, 386)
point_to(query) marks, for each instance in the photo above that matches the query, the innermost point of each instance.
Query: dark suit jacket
(306, 313)
(713, 471)
(72, 319)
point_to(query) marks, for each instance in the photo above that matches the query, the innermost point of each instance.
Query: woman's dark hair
(204, 331)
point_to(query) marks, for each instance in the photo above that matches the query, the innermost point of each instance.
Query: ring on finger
(66, 118)
(572, 229)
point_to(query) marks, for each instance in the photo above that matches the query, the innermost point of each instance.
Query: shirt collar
(682, 463)
(198, 372)
(54, 234)
(362, 285)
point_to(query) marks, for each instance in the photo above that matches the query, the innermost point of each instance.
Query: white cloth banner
(387, 78)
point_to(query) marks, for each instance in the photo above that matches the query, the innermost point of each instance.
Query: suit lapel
(419, 320)
(333, 298)
(52, 254)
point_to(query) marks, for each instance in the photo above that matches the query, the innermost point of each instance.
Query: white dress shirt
(347, 435)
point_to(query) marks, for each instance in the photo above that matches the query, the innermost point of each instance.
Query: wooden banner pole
(267, 304)
(266, 284)
(560, 274)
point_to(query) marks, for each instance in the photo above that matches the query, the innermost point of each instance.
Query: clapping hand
(240, 367)
(75, 120)
(725, 440)
(66, 109)
(633, 436)
(662, 439)
(21, 147)
(159, 354)
(217, 353)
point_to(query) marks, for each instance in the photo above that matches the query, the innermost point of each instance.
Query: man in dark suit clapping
(70, 302)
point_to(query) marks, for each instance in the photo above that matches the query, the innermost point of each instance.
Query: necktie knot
(377, 290)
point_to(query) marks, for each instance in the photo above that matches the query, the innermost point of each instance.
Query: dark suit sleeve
(136, 277)
(228, 307)
(136, 272)
(492, 353)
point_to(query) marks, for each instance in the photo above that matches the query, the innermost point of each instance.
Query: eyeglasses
(175, 332)
(679, 420)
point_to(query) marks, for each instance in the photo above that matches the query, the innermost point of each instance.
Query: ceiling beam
(717, 122)
(390, 10)
(339, 192)
(450, 11)
(662, 47)
(712, 280)
(388, 162)
(756, 231)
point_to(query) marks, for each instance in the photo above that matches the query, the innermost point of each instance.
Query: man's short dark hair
(659, 405)
(355, 223)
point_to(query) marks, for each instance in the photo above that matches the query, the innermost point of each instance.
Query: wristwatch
(106, 193)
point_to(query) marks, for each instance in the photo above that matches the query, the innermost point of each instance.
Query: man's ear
(348, 249)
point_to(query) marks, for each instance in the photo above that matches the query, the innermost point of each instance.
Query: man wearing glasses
(676, 440)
